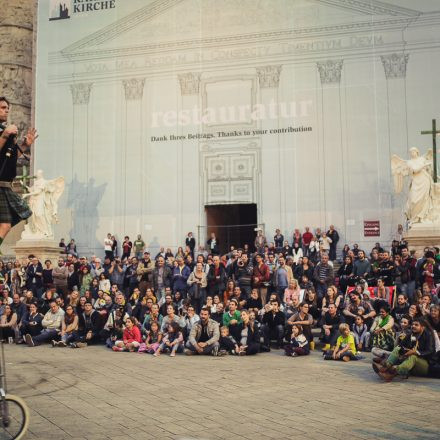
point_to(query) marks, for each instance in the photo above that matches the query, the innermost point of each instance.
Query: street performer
(13, 208)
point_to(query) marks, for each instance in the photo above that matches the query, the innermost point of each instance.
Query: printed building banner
(169, 116)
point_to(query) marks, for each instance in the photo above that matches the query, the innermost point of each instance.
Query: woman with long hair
(8, 324)
(247, 335)
(69, 328)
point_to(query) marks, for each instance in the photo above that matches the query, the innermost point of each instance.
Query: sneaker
(62, 344)
(312, 345)
(54, 343)
(346, 358)
(29, 340)
(326, 347)
(73, 345)
(114, 348)
(188, 352)
(222, 353)
(294, 354)
(214, 351)
(81, 344)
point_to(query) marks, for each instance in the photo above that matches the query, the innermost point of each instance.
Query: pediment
(180, 21)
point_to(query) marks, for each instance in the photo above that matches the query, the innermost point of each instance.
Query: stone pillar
(330, 158)
(80, 175)
(16, 40)
(132, 158)
(395, 72)
(272, 155)
(189, 200)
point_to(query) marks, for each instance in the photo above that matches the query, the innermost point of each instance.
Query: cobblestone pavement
(95, 394)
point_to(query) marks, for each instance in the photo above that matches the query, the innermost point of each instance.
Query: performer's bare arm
(28, 140)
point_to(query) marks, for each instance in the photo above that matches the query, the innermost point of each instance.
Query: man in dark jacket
(190, 242)
(216, 277)
(243, 274)
(89, 326)
(411, 355)
(408, 273)
(34, 277)
(332, 233)
(273, 324)
(31, 322)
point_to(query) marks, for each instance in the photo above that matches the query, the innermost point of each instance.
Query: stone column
(16, 40)
(132, 190)
(189, 200)
(330, 158)
(272, 155)
(395, 72)
(80, 175)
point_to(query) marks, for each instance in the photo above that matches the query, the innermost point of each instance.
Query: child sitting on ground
(172, 340)
(299, 345)
(153, 340)
(345, 348)
(131, 338)
(227, 343)
(360, 333)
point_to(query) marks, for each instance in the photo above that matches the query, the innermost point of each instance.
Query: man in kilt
(13, 208)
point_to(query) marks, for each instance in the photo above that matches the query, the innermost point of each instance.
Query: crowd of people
(289, 295)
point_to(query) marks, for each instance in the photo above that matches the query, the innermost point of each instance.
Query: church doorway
(234, 225)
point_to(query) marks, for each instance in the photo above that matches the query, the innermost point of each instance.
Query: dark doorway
(234, 225)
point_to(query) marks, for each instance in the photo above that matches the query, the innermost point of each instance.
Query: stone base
(422, 235)
(42, 249)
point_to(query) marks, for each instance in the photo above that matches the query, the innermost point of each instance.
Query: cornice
(130, 21)
(251, 38)
(371, 7)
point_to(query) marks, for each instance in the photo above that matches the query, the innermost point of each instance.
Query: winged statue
(43, 200)
(422, 192)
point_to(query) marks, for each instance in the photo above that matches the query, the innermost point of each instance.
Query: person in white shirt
(108, 247)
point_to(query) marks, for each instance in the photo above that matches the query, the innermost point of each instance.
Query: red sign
(371, 228)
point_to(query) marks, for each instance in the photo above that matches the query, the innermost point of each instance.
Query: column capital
(189, 83)
(134, 88)
(81, 92)
(394, 65)
(330, 71)
(269, 76)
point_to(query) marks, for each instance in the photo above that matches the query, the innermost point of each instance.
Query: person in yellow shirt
(345, 348)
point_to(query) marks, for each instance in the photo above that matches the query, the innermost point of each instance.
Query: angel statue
(43, 200)
(419, 206)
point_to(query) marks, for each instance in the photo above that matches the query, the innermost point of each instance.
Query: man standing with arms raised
(13, 208)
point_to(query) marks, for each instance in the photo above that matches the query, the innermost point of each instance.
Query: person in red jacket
(131, 338)
(261, 278)
(306, 239)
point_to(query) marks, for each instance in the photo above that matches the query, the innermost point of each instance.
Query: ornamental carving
(395, 65)
(81, 93)
(134, 88)
(269, 76)
(330, 71)
(189, 83)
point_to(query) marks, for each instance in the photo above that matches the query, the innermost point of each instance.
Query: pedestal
(422, 235)
(42, 249)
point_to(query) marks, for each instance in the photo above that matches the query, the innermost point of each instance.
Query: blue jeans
(45, 335)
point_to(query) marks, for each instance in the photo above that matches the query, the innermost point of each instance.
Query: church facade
(164, 116)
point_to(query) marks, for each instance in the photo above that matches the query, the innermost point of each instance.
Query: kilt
(13, 209)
